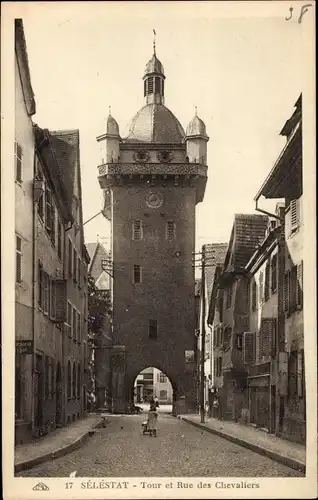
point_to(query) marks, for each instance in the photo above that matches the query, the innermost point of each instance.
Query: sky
(242, 70)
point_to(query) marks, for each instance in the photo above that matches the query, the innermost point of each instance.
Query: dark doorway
(59, 405)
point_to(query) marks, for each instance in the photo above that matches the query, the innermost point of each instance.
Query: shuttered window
(137, 230)
(59, 239)
(46, 292)
(40, 285)
(74, 265)
(261, 287)
(249, 347)
(170, 230)
(18, 259)
(70, 258)
(74, 324)
(78, 326)
(267, 337)
(286, 292)
(18, 162)
(79, 265)
(48, 210)
(150, 85)
(299, 286)
(254, 295)
(137, 274)
(294, 214)
(266, 284)
(274, 273)
(69, 319)
(292, 288)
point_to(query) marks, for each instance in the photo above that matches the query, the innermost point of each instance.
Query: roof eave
(268, 188)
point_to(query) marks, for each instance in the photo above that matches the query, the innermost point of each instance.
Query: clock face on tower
(154, 200)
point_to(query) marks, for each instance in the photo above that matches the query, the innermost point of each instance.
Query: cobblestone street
(179, 449)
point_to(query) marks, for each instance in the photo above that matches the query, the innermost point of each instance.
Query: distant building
(152, 383)
(100, 270)
(100, 266)
(24, 236)
(285, 182)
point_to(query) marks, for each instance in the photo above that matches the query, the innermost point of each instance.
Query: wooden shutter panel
(286, 291)
(266, 285)
(248, 347)
(53, 298)
(299, 285)
(60, 301)
(267, 331)
(294, 214)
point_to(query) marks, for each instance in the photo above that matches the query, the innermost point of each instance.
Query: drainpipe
(265, 212)
(34, 238)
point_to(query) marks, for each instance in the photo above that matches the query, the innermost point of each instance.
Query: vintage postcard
(158, 169)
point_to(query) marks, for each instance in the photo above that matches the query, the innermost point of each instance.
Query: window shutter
(299, 286)
(274, 274)
(79, 266)
(60, 301)
(171, 230)
(70, 258)
(286, 291)
(261, 287)
(137, 230)
(294, 214)
(18, 159)
(267, 331)
(249, 347)
(18, 259)
(266, 287)
(74, 332)
(40, 285)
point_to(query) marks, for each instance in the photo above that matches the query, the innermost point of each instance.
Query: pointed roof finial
(196, 110)
(109, 109)
(154, 41)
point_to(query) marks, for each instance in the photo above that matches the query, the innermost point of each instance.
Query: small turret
(196, 140)
(112, 139)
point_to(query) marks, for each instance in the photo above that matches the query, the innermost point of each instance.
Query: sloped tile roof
(65, 145)
(215, 256)
(248, 232)
(91, 247)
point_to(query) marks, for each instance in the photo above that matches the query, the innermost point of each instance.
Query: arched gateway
(152, 181)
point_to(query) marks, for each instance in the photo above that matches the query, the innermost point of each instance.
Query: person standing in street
(152, 419)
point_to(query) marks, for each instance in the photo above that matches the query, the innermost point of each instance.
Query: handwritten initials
(303, 10)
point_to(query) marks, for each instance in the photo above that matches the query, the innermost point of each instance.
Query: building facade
(285, 182)
(260, 342)
(160, 171)
(61, 264)
(24, 236)
(232, 315)
(152, 383)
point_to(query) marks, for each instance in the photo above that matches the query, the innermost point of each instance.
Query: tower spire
(154, 41)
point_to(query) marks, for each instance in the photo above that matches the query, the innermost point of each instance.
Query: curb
(289, 462)
(60, 452)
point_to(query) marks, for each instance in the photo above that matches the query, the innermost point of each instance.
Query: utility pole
(202, 409)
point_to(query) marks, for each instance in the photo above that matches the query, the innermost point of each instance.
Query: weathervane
(154, 42)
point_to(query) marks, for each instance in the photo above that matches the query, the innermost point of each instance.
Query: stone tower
(152, 180)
